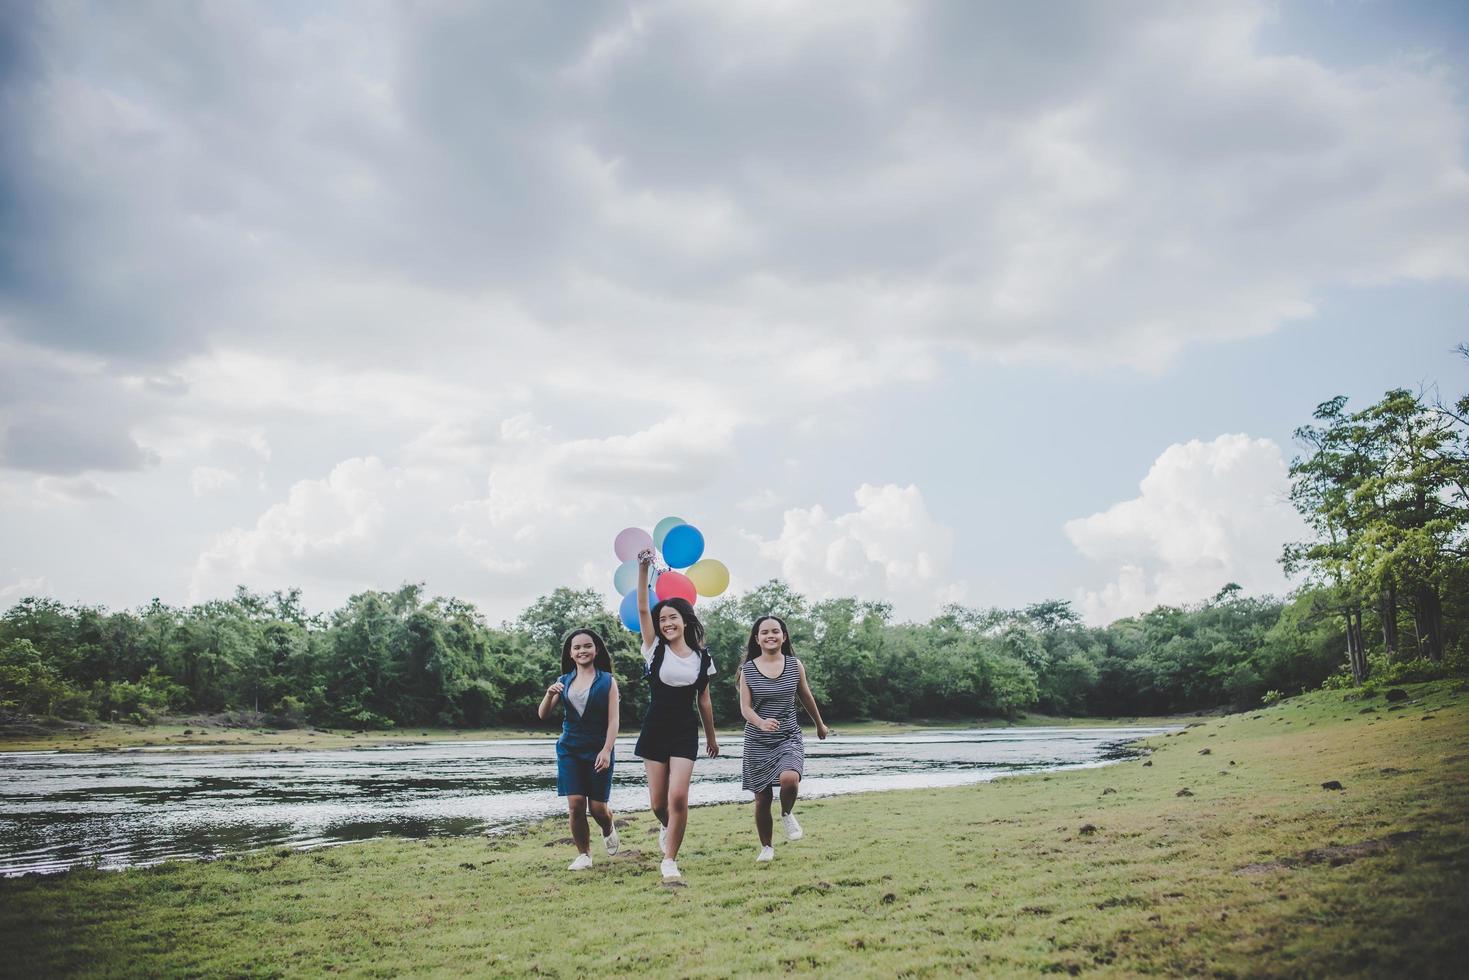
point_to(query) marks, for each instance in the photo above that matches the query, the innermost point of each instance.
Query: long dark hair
(752, 649)
(693, 630)
(602, 660)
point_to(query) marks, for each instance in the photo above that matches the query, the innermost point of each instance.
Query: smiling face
(770, 636)
(670, 624)
(583, 650)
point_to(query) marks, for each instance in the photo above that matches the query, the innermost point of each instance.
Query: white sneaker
(611, 842)
(669, 867)
(767, 853)
(793, 829)
(582, 863)
(663, 840)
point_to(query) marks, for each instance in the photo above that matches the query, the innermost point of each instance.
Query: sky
(970, 302)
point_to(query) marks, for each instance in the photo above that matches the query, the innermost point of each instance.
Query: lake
(142, 806)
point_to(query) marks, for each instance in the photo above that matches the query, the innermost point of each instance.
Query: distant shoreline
(207, 736)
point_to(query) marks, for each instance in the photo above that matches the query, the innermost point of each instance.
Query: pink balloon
(676, 585)
(630, 541)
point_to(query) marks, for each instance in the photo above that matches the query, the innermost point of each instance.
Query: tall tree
(1323, 490)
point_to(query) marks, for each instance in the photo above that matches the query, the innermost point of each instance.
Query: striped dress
(768, 754)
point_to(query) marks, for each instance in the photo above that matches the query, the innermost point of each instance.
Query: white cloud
(32, 586)
(73, 489)
(209, 479)
(1207, 514)
(337, 532)
(766, 499)
(890, 548)
(493, 514)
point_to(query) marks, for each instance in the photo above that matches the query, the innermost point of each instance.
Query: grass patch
(1261, 871)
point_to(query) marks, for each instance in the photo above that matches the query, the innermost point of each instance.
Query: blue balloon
(628, 612)
(663, 527)
(682, 546)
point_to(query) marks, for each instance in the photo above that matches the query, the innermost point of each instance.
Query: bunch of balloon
(682, 573)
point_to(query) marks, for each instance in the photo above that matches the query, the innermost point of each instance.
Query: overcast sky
(923, 302)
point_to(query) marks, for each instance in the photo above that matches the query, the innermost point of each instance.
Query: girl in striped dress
(775, 754)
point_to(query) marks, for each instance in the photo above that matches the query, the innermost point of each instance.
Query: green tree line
(396, 658)
(1384, 598)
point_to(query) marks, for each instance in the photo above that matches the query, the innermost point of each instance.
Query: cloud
(65, 414)
(72, 489)
(496, 516)
(340, 534)
(1207, 514)
(889, 549)
(762, 500)
(63, 443)
(1094, 186)
(35, 585)
(210, 479)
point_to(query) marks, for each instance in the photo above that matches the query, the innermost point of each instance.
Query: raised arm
(804, 690)
(645, 616)
(614, 721)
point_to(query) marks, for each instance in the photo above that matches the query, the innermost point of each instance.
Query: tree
(1323, 490)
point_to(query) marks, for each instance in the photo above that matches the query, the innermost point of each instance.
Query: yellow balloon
(709, 576)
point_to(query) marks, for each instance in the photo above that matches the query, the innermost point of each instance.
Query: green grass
(1251, 875)
(1021, 721)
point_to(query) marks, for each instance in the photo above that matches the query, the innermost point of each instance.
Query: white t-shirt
(677, 671)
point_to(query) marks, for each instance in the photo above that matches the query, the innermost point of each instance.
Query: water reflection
(116, 809)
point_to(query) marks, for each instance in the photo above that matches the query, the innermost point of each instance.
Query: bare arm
(645, 616)
(614, 721)
(747, 708)
(804, 690)
(706, 713)
(548, 703)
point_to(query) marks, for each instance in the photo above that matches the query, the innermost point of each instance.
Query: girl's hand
(770, 724)
(604, 759)
(822, 731)
(555, 688)
(712, 747)
(645, 557)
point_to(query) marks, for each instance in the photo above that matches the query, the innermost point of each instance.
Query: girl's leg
(577, 807)
(790, 785)
(680, 771)
(602, 815)
(657, 789)
(763, 824)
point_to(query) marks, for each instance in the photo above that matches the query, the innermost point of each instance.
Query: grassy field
(103, 737)
(1225, 856)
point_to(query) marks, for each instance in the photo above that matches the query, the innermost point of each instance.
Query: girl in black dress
(679, 669)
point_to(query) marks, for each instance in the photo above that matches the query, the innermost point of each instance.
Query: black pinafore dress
(671, 725)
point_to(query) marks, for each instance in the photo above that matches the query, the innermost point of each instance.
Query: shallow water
(117, 809)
